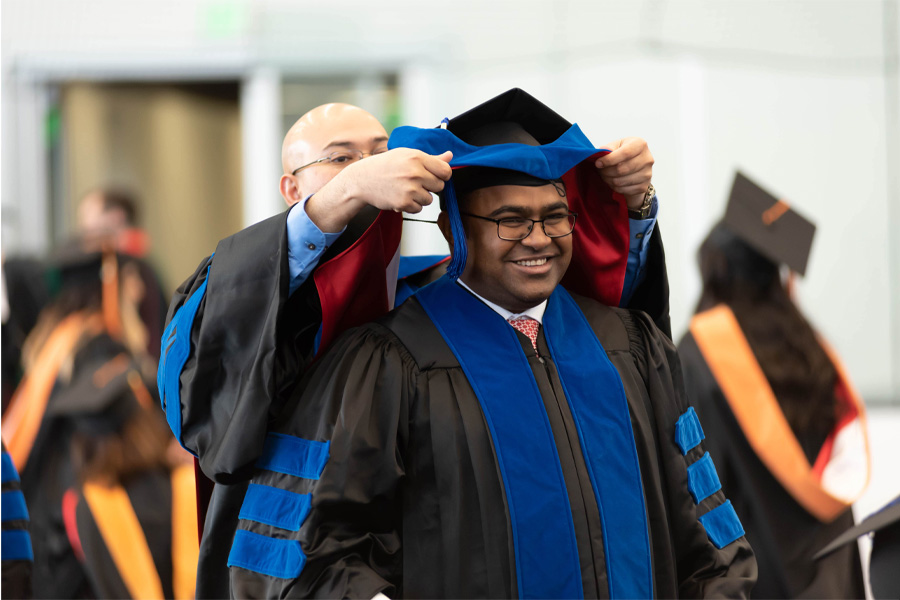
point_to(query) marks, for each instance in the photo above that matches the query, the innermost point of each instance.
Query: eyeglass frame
(574, 216)
(330, 158)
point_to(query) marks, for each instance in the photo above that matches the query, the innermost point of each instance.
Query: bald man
(243, 328)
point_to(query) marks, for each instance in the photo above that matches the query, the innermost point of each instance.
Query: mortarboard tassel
(460, 250)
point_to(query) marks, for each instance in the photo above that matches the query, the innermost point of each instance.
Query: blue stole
(491, 356)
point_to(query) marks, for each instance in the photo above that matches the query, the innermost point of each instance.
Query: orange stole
(758, 413)
(127, 544)
(23, 418)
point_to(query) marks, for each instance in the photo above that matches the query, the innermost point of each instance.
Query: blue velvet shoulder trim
(176, 348)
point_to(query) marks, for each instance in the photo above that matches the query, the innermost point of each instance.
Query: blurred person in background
(23, 293)
(106, 217)
(85, 340)
(109, 217)
(111, 213)
(784, 424)
(130, 518)
(244, 327)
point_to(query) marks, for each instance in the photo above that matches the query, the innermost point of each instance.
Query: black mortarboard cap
(884, 563)
(768, 224)
(70, 266)
(513, 117)
(100, 399)
(516, 106)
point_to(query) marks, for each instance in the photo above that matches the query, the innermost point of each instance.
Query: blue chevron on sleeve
(688, 432)
(294, 456)
(275, 507)
(270, 556)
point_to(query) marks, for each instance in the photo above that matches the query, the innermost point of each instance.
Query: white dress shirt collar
(535, 312)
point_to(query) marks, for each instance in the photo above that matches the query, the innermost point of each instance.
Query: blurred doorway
(178, 146)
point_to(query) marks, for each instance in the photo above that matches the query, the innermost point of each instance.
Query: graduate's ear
(443, 222)
(289, 190)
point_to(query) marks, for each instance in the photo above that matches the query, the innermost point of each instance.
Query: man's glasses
(514, 229)
(341, 158)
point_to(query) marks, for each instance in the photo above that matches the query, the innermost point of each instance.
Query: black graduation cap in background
(768, 224)
(70, 266)
(101, 399)
(884, 563)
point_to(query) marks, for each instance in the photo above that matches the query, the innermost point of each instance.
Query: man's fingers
(433, 184)
(632, 190)
(439, 165)
(643, 173)
(641, 178)
(628, 166)
(424, 200)
(414, 205)
(622, 150)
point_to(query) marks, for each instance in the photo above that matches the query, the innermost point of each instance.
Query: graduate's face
(514, 274)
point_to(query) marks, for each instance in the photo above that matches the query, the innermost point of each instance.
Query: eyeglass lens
(345, 157)
(519, 229)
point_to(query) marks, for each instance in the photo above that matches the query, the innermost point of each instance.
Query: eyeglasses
(514, 229)
(341, 158)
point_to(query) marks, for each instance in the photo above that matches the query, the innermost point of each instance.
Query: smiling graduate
(498, 435)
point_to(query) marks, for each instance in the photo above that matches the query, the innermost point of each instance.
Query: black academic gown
(150, 495)
(49, 472)
(411, 502)
(150, 500)
(27, 294)
(784, 535)
(249, 345)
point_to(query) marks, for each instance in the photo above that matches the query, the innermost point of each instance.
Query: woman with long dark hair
(92, 448)
(781, 419)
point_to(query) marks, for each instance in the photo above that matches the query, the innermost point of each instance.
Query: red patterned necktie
(529, 327)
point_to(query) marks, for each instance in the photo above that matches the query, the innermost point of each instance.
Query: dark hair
(116, 198)
(139, 446)
(802, 376)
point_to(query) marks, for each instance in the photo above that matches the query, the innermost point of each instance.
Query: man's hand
(627, 169)
(400, 180)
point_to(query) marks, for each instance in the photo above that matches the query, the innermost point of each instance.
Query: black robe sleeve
(356, 398)
(652, 295)
(243, 353)
(17, 555)
(702, 569)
